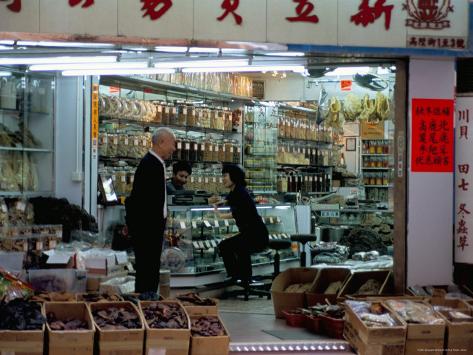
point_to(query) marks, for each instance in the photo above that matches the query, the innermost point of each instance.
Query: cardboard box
(324, 278)
(439, 303)
(459, 335)
(219, 345)
(119, 342)
(286, 301)
(118, 285)
(374, 340)
(359, 278)
(193, 310)
(166, 341)
(22, 342)
(75, 342)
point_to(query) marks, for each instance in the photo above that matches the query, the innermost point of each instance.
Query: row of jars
(289, 154)
(303, 182)
(377, 178)
(122, 143)
(376, 146)
(304, 129)
(375, 162)
(200, 149)
(377, 194)
(122, 178)
(169, 113)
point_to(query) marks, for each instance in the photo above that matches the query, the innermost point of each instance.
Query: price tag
(192, 112)
(196, 147)
(132, 178)
(182, 224)
(123, 178)
(39, 245)
(206, 180)
(166, 110)
(126, 141)
(184, 111)
(199, 179)
(4, 208)
(223, 148)
(271, 221)
(179, 145)
(202, 147)
(201, 114)
(59, 233)
(194, 225)
(25, 246)
(174, 111)
(303, 151)
(135, 141)
(239, 150)
(105, 140)
(188, 146)
(145, 142)
(231, 149)
(115, 140)
(220, 180)
(225, 222)
(52, 244)
(160, 108)
(207, 224)
(211, 148)
(21, 206)
(330, 214)
(283, 149)
(216, 223)
(278, 220)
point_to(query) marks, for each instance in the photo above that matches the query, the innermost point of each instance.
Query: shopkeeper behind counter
(181, 171)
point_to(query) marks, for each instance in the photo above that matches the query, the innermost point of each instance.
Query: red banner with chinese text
(432, 135)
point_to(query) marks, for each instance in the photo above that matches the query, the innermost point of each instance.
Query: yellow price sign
(95, 113)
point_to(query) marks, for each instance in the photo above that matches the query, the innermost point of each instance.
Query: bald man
(146, 210)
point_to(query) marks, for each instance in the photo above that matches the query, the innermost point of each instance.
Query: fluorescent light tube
(84, 66)
(250, 68)
(286, 54)
(51, 60)
(203, 63)
(117, 71)
(340, 71)
(203, 50)
(5, 73)
(171, 49)
(7, 42)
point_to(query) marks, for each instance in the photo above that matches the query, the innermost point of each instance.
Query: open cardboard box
(71, 342)
(459, 335)
(324, 278)
(217, 345)
(359, 278)
(166, 341)
(119, 342)
(286, 301)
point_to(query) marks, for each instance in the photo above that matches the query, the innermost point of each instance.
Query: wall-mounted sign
(463, 181)
(382, 23)
(432, 135)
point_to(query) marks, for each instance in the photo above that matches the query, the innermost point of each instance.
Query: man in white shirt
(146, 210)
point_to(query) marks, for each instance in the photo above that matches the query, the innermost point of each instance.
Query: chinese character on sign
(463, 168)
(464, 185)
(14, 6)
(464, 132)
(230, 6)
(462, 228)
(464, 115)
(463, 242)
(86, 4)
(303, 11)
(151, 8)
(463, 210)
(368, 14)
(428, 14)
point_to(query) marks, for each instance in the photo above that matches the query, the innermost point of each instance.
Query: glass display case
(193, 234)
(26, 132)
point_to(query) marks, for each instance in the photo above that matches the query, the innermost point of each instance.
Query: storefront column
(430, 195)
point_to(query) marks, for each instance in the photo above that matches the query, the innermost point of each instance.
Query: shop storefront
(318, 102)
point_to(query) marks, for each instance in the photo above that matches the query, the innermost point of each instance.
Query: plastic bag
(12, 287)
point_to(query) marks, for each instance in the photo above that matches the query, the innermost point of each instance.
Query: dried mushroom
(165, 315)
(116, 318)
(19, 314)
(207, 327)
(66, 324)
(195, 300)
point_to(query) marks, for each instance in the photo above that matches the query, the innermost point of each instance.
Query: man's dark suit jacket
(144, 206)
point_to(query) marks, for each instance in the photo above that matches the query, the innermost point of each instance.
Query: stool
(278, 244)
(303, 239)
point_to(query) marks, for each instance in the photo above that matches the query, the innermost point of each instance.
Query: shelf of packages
(105, 120)
(381, 186)
(312, 141)
(368, 168)
(135, 161)
(28, 150)
(140, 84)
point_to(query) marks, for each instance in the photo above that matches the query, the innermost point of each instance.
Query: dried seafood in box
(21, 315)
(66, 324)
(195, 300)
(415, 312)
(116, 318)
(372, 314)
(370, 287)
(207, 327)
(165, 315)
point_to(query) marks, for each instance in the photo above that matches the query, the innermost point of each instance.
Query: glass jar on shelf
(191, 117)
(165, 113)
(372, 178)
(158, 118)
(215, 152)
(236, 153)
(206, 112)
(181, 112)
(380, 147)
(177, 153)
(228, 119)
(172, 114)
(186, 146)
(372, 147)
(379, 179)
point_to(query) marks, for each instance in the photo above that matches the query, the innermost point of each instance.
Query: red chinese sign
(369, 14)
(432, 135)
(230, 6)
(85, 4)
(155, 8)
(304, 12)
(14, 6)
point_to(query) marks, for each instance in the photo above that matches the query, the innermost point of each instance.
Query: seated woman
(253, 235)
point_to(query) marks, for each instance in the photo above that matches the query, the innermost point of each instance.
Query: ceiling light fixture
(84, 66)
(203, 50)
(5, 73)
(285, 54)
(171, 49)
(203, 63)
(117, 71)
(294, 68)
(51, 60)
(341, 71)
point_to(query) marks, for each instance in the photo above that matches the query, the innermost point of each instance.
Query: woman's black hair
(182, 165)
(237, 174)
